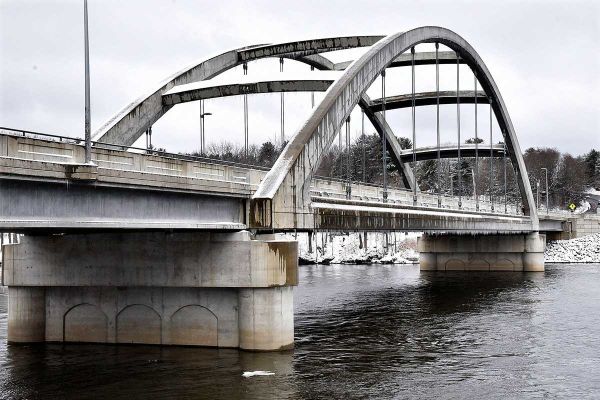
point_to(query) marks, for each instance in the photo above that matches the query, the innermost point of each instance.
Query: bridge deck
(45, 186)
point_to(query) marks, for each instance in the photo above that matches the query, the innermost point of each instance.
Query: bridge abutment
(522, 252)
(198, 289)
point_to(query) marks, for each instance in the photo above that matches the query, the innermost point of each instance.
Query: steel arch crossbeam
(319, 82)
(430, 99)
(282, 199)
(130, 123)
(451, 151)
(405, 60)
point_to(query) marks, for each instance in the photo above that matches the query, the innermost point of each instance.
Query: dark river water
(362, 332)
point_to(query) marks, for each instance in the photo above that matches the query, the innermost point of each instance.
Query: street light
(202, 115)
(547, 193)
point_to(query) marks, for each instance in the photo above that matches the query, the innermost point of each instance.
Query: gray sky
(544, 56)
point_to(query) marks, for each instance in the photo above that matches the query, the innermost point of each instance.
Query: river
(378, 331)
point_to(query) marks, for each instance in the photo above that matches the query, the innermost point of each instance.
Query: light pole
(88, 135)
(202, 115)
(547, 193)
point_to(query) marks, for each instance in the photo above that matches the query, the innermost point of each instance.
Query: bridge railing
(38, 146)
(336, 188)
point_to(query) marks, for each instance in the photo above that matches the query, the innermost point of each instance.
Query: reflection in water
(361, 332)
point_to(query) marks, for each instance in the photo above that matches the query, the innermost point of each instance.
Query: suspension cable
(505, 187)
(459, 169)
(282, 98)
(414, 137)
(385, 194)
(364, 148)
(491, 161)
(348, 161)
(312, 94)
(201, 127)
(476, 150)
(245, 116)
(437, 91)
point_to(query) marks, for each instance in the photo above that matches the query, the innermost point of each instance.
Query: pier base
(195, 289)
(523, 252)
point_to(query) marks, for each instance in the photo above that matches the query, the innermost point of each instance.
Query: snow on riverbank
(585, 249)
(353, 248)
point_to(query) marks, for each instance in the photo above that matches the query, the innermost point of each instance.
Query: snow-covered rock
(350, 248)
(585, 249)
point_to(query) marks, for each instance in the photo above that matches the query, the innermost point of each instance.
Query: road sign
(572, 207)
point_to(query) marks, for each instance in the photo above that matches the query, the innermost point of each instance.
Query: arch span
(131, 122)
(282, 199)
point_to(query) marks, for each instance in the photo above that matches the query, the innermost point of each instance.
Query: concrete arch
(138, 323)
(85, 322)
(194, 325)
(504, 264)
(282, 198)
(454, 264)
(478, 264)
(130, 123)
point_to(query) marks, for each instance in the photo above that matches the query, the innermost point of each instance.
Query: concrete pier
(449, 252)
(198, 289)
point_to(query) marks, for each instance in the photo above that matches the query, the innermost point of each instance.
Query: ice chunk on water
(249, 374)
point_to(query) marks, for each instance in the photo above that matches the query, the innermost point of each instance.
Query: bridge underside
(347, 215)
(43, 206)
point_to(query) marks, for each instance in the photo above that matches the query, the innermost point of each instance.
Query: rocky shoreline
(585, 249)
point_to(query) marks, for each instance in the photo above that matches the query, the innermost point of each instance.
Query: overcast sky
(544, 56)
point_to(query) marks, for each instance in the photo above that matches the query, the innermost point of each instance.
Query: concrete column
(196, 288)
(520, 252)
(533, 257)
(26, 314)
(266, 318)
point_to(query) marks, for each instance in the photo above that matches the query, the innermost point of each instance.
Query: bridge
(145, 246)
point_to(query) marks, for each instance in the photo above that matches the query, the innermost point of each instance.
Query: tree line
(568, 176)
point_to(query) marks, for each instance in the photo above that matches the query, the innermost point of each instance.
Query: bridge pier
(447, 252)
(198, 289)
